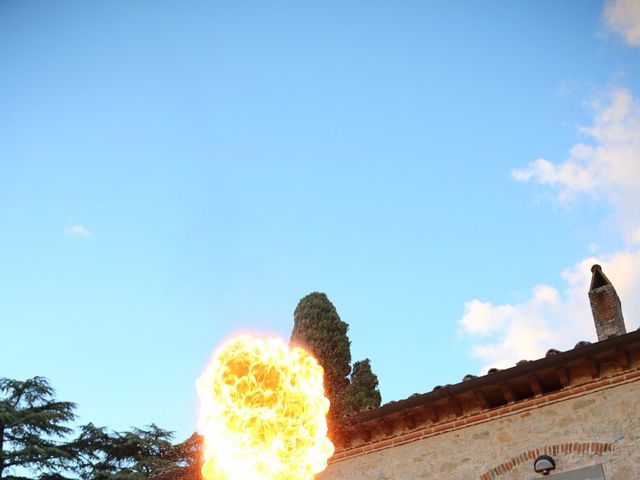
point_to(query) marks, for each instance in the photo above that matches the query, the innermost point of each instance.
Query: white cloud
(482, 318)
(78, 231)
(608, 167)
(505, 334)
(623, 17)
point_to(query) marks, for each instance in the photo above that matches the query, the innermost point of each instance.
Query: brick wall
(607, 312)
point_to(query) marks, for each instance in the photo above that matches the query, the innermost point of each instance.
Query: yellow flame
(263, 412)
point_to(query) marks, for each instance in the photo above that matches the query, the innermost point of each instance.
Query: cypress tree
(318, 329)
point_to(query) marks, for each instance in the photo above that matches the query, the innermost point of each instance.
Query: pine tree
(134, 455)
(363, 391)
(189, 455)
(33, 425)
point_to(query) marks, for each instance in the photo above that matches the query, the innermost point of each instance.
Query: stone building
(571, 415)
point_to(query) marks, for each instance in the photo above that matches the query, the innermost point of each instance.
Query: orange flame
(263, 412)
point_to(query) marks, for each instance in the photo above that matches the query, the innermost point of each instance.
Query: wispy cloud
(623, 17)
(78, 231)
(607, 167)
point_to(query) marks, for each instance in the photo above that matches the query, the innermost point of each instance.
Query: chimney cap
(598, 278)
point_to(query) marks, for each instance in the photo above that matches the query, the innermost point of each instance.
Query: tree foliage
(190, 455)
(363, 391)
(318, 329)
(134, 455)
(34, 431)
(33, 425)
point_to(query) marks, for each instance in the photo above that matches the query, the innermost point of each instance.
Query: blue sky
(172, 173)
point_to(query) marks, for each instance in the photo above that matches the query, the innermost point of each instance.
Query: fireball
(263, 412)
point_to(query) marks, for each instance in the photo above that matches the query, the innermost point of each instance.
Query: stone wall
(582, 427)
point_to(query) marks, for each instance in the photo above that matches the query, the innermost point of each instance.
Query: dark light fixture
(544, 464)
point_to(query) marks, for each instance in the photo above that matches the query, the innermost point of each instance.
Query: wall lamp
(544, 464)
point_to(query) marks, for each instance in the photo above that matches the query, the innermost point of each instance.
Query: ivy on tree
(318, 329)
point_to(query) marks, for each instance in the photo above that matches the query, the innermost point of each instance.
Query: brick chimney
(605, 305)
